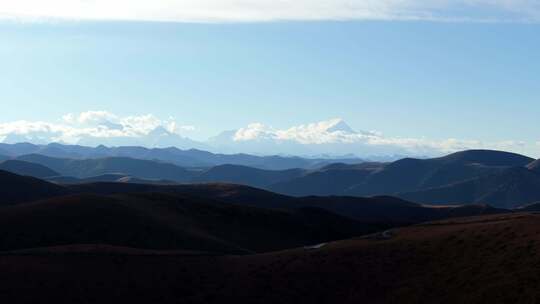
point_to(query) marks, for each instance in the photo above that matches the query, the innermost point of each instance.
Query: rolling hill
(488, 259)
(85, 168)
(389, 211)
(18, 189)
(406, 175)
(510, 188)
(27, 168)
(116, 178)
(168, 222)
(475, 176)
(333, 179)
(246, 175)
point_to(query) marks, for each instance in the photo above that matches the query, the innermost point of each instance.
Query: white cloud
(268, 10)
(337, 135)
(90, 117)
(91, 124)
(254, 131)
(332, 136)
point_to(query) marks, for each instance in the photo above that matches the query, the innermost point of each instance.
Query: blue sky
(471, 80)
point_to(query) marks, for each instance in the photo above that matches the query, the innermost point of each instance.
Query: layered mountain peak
(339, 125)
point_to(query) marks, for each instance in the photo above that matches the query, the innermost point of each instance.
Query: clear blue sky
(406, 79)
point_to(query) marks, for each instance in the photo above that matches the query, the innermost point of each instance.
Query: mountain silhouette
(168, 221)
(246, 175)
(405, 175)
(510, 188)
(17, 189)
(84, 168)
(183, 158)
(27, 168)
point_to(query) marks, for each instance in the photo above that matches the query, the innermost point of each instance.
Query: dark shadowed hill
(334, 179)
(116, 178)
(247, 175)
(145, 169)
(488, 259)
(533, 207)
(404, 175)
(510, 188)
(166, 221)
(16, 189)
(387, 210)
(229, 193)
(3, 157)
(112, 177)
(27, 168)
(393, 211)
(415, 174)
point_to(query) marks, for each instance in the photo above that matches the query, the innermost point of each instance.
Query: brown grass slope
(16, 189)
(489, 259)
(168, 222)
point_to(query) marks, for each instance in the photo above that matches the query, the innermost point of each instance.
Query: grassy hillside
(488, 259)
(27, 169)
(85, 168)
(166, 221)
(18, 189)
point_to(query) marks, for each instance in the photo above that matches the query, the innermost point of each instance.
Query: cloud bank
(335, 135)
(93, 127)
(331, 137)
(272, 10)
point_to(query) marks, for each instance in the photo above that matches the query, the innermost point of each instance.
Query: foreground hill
(27, 168)
(85, 168)
(489, 259)
(510, 188)
(16, 189)
(167, 221)
(389, 211)
(140, 215)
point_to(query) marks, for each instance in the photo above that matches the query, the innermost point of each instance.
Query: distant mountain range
(333, 137)
(85, 168)
(501, 179)
(185, 158)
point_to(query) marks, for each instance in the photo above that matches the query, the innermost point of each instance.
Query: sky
(459, 73)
